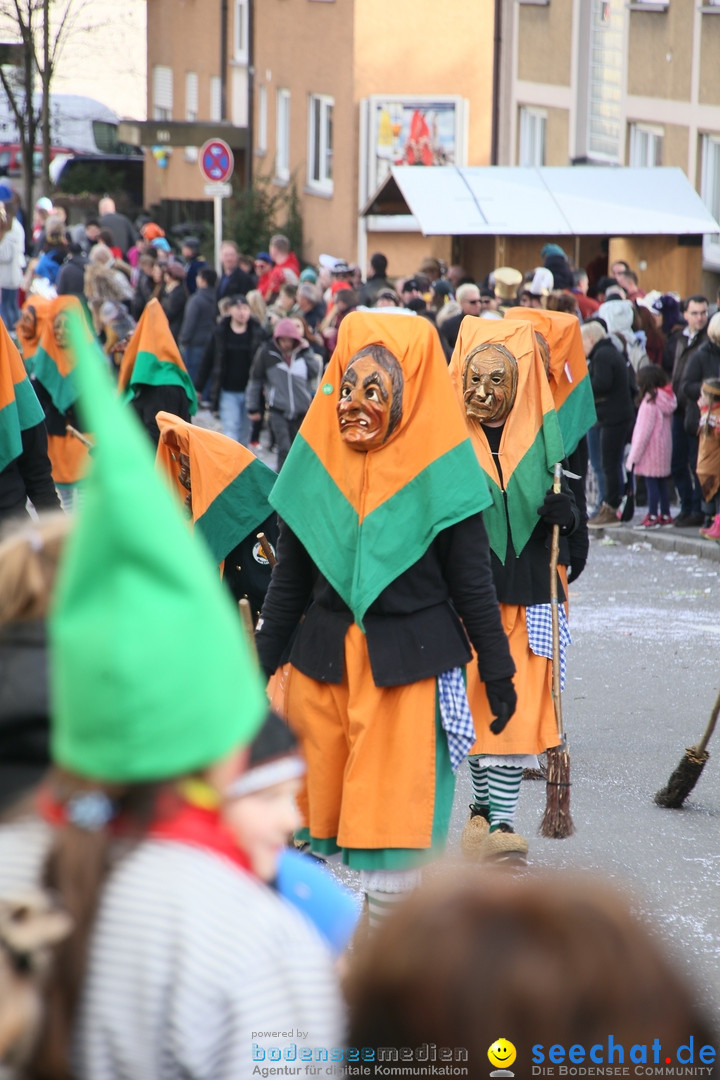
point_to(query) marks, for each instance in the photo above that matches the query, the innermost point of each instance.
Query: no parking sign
(216, 161)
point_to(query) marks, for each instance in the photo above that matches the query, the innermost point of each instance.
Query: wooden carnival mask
(60, 330)
(370, 403)
(544, 347)
(490, 378)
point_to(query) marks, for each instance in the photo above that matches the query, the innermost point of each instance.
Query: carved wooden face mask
(489, 383)
(544, 350)
(60, 330)
(28, 322)
(370, 402)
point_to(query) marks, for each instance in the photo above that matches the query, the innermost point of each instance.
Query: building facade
(329, 93)
(629, 84)
(344, 88)
(197, 73)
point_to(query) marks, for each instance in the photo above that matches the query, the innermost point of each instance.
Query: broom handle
(267, 549)
(79, 435)
(711, 726)
(555, 614)
(246, 616)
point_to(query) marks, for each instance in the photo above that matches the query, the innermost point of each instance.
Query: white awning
(581, 200)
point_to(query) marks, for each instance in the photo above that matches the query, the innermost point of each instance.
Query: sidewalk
(668, 538)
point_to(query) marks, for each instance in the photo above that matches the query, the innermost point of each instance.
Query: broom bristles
(683, 779)
(557, 822)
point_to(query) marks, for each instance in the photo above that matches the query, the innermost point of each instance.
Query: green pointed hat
(151, 675)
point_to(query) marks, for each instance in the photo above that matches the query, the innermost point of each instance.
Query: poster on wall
(412, 130)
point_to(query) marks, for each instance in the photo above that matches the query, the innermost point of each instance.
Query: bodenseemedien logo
(501, 1054)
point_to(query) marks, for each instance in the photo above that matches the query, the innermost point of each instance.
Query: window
(215, 98)
(241, 32)
(105, 137)
(649, 5)
(261, 138)
(605, 83)
(191, 109)
(282, 136)
(646, 144)
(710, 192)
(162, 93)
(532, 136)
(320, 143)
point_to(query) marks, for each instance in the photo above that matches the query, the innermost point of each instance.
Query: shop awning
(581, 200)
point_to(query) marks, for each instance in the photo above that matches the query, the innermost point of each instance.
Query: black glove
(575, 569)
(502, 700)
(557, 509)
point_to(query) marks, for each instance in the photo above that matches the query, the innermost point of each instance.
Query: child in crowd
(261, 811)
(651, 446)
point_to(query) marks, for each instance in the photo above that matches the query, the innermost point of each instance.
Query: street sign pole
(218, 222)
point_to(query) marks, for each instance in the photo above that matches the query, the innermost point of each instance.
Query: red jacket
(277, 274)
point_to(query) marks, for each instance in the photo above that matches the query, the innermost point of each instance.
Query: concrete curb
(681, 541)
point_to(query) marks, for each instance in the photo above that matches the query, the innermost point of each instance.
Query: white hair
(592, 332)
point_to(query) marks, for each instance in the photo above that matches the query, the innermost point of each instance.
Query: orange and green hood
(531, 441)
(365, 518)
(53, 365)
(152, 357)
(568, 374)
(19, 407)
(28, 341)
(230, 486)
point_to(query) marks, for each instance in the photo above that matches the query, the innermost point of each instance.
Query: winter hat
(668, 305)
(151, 231)
(552, 249)
(6, 193)
(274, 758)
(191, 242)
(287, 328)
(542, 282)
(175, 269)
(264, 256)
(505, 282)
(136, 595)
(308, 274)
(617, 315)
(648, 300)
(161, 244)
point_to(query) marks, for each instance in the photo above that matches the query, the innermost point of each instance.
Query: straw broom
(691, 765)
(557, 822)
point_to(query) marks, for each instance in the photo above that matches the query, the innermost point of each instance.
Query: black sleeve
(285, 601)
(668, 355)
(578, 540)
(691, 381)
(206, 364)
(465, 553)
(189, 322)
(34, 465)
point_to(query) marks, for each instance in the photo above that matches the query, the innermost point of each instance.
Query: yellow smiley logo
(502, 1053)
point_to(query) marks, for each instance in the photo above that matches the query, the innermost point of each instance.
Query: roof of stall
(582, 200)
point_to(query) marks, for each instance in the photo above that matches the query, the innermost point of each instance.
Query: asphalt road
(643, 674)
